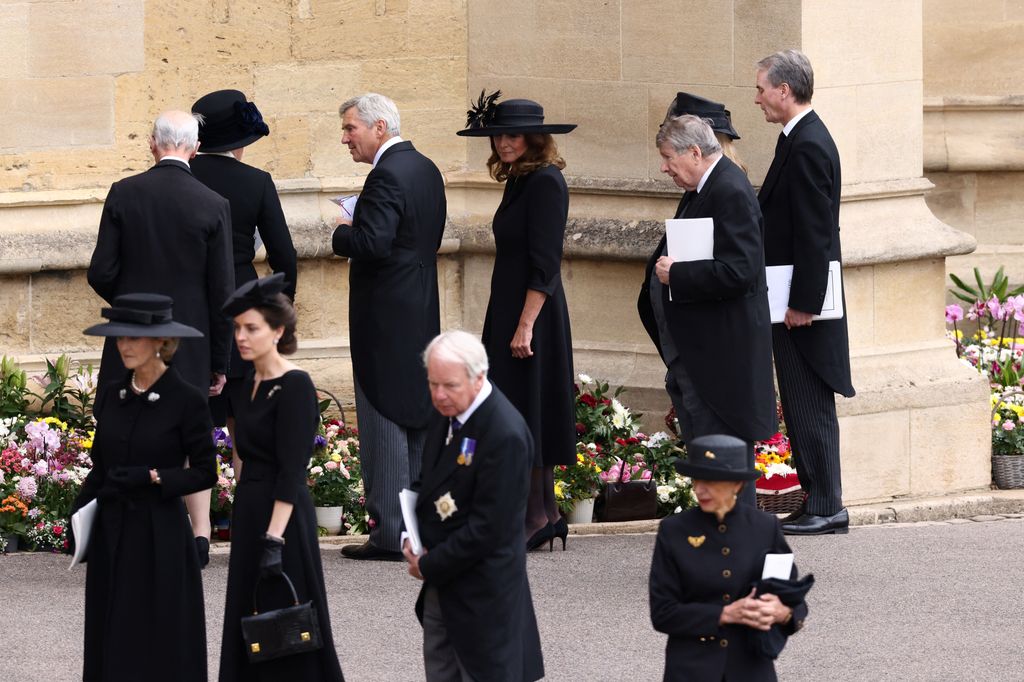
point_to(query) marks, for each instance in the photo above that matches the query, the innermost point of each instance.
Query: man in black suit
(164, 232)
(800, 201)
(475, 604)
(709, 318)
(391, 241)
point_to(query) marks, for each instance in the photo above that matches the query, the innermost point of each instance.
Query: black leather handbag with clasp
(630, 500)
(280, 632)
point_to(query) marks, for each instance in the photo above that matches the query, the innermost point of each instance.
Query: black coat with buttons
(700, 566)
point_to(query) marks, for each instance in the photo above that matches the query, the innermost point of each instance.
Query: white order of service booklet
(690, 239)
(407, 499)
(780, 279)
(777, 566)
(81, 526)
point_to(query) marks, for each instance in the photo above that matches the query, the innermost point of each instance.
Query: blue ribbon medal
(466, 451)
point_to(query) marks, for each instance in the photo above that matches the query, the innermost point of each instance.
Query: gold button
(726, 597)
(721, 528)
(727, 573)
(723, 643)
(255, 646)
(712, 638)
(725, 551)
(703, 639)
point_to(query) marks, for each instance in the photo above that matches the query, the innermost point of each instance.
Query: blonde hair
(729, 150)
(167, 349)
(541, 150)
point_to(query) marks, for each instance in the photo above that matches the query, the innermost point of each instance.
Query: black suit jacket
(476, 558)
(164, 232)
(693, 578)
(800, 201)
(393, 300)
(718, 316)
(254, 204)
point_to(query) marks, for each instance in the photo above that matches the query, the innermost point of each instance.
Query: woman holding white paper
(144, 614)
(707, 562)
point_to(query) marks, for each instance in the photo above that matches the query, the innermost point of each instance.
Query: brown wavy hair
(541, 151)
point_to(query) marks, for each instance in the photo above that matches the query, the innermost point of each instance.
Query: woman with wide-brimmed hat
(274, 417)
(526, 328)
(144, 614)
(706, 591)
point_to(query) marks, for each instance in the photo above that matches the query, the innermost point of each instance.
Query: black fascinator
(255, 293)
(482, 113)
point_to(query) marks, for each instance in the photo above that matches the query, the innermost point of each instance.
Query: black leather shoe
(810, 524)
(370, 552)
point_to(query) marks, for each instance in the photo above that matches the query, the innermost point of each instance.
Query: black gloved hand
(129, 478)
(203, 550)
(270, 561)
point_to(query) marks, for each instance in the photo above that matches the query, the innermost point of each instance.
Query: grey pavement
(921, 601)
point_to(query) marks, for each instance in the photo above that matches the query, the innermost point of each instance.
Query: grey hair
(175, 130)
(792, 67)
(456, 345)
(683, 132)
(371, 108)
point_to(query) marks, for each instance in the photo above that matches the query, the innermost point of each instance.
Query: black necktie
(778, 144)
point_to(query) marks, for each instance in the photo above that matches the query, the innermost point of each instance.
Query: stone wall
(919, 423)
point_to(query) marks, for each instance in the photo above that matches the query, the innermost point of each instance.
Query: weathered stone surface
(87, 38)
(703, 45)
(62, 306)
(81, 109)
(14, 314)
(14, 29)
(297, 88)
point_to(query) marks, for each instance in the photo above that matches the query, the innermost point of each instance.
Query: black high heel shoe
(545, 534)
(560, 530)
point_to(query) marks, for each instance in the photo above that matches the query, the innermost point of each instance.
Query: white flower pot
(583, 512)
(330, 518)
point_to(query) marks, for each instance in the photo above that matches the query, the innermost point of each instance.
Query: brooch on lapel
(696, 540)
(445, 506)
(123, 393)
(153, 397)
(272, 391)
(466, 452)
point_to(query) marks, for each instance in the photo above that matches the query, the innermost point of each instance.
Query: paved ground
(925, 601)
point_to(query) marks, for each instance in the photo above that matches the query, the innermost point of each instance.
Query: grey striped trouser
(809, 409)
(391, 456)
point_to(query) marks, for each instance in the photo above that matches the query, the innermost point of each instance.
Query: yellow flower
(87, 442)
(53, 420)
(336, 457)
(560, 489)
(597, 468)
(579, 458)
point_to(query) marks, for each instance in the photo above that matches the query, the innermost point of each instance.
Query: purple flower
(954, 313)
(319, 441)
(27, 487)
(995, 308)
(40, 468)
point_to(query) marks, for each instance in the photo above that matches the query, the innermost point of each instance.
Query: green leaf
(963, 297)
(981, 285)
(960, 283)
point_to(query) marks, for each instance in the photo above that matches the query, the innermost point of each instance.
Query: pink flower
(27, 487)
(1007, 425)
(330, 465)
(954, 313)
(995, 308)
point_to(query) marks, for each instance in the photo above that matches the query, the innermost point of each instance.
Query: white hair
(456, 345)
(686, 131)
(176, 130)
(371, 108)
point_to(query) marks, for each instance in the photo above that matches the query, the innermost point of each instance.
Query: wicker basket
(779, 494)
(1008, 471)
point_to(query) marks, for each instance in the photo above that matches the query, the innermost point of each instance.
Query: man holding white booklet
(704, 300)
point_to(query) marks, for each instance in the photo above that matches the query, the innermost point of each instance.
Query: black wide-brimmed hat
(511, 117)
(142, 315)
(717, 458)
(695, 105)
(255, 293)
(229, 121)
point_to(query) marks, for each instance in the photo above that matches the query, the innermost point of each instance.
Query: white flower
(317, 470)
(665, 492)
(620, 415)
(585, 379)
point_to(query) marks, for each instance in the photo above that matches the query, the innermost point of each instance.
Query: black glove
(69, 539)
(270, 562)
(124, 479)
(203, 550)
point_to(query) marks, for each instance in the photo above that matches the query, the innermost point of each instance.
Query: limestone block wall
(973, 115)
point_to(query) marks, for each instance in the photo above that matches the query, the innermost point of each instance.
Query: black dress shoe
(810, 524)
(370, 552)
(793, 516)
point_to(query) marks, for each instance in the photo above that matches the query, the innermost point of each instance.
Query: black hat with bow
(255, 293)
(695, 105)
(142, 315)
(229, 121)
(511, 117)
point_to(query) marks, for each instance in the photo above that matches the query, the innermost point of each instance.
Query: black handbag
(630, 500)
(280, 632)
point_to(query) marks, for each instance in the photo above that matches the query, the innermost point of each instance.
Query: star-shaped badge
(445, 506)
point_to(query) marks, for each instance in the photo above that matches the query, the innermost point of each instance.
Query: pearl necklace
(135, 386)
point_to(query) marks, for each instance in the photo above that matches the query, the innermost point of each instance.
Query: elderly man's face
(451, 391)
(363, 141)
(685, 167)
(771, 98)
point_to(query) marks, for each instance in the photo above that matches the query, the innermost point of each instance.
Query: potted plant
(576, 486)
(1008, 438)
(12, 522)
(330, 476)
(222, 496)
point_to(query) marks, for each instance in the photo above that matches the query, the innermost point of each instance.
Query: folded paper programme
(81, 528)
(690, 238)
(777, 566)
(407, 498)
(780, 278)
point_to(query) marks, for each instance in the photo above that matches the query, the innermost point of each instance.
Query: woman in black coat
(144, 615)
(274, 418)
(705, 566)
(526, 328)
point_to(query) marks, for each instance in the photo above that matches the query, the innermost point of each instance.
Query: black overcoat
(700, 566)
(144, 614)
(254, 204)
(274, 433)
(529, 231)
(164, 232)
(393, 308)
(718, 316)
(476, 558)
(800, 200)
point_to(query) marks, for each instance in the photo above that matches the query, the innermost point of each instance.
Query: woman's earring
(276, 340)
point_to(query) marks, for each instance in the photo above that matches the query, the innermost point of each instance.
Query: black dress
(144, 615)
(274, 434)
(699, 566)
(529, 229)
